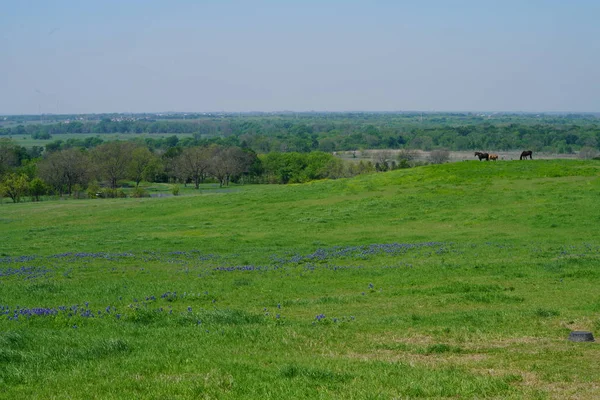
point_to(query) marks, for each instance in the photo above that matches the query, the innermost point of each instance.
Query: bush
(175, 190)
(139, 192)
(406, 158)
(108, 193)
(93, 191)
(78, 192)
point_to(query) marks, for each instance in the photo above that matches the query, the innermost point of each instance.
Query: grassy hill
(457, 280)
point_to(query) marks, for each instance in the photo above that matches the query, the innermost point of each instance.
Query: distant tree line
(100, 171)
(341, 132)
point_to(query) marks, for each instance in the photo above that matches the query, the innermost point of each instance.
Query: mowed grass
(454, 281)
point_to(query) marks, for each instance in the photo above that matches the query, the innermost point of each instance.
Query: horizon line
(491, 112)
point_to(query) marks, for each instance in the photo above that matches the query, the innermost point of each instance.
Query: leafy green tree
(37, 188)
(319, 165)
(143, 165)
(8, 155)
(14, 186)
(54, 146)
(169, 161)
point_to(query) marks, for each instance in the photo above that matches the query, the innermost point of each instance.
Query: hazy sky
(443, 55)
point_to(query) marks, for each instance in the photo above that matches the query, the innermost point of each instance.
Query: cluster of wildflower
(101, 255)
(19, 259)
(335, 320)
(73, 311)
(361, 252)
(17, 312)
(242, 268)
(172, 296)
(177, 257)
(579, 251)
(169, 296)
(25, 272)
(181, 257)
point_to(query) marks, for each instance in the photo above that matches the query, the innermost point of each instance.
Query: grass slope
(459, 280)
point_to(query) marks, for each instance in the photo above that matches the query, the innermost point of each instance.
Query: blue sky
(152, 56)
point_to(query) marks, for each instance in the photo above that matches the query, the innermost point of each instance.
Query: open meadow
(460, 280)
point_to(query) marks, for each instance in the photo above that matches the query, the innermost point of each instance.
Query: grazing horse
(525, 154)
(493, 157)
(482, 156)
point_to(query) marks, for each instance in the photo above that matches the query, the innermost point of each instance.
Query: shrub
(93, 191)
(406, 158)
(78, 192)
(108, 193)
(139, 192)
(175, 190)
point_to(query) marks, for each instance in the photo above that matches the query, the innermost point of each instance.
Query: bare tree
(227, 162)
(382, 156)
(382, 159)
(407, 158)
(587, 153)
(66, 168)
(439, 156)
(112, 159)
(194, 163)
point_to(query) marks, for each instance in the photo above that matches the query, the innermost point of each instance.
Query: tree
(8, 156)
(111, 160)
(37, 188)
(143, 165)
(439, 156)
(587, 153)
(65, 168)
(382, 158)
(406, 157)
(227, 162)
(424, 142)
(14, 186)
(194, 163)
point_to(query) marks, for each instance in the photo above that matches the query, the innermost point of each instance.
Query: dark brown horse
(525, 154)
(482, 156)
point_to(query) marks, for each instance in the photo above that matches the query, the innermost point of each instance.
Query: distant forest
(328, 132)
(255, 148)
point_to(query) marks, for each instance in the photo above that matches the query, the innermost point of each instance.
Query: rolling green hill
(456, 280)
(550, 199)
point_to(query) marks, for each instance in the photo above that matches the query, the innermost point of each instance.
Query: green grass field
(460, 280)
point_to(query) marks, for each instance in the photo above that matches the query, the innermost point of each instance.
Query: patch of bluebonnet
(26, 272)
(18, 313)
(357, 252)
